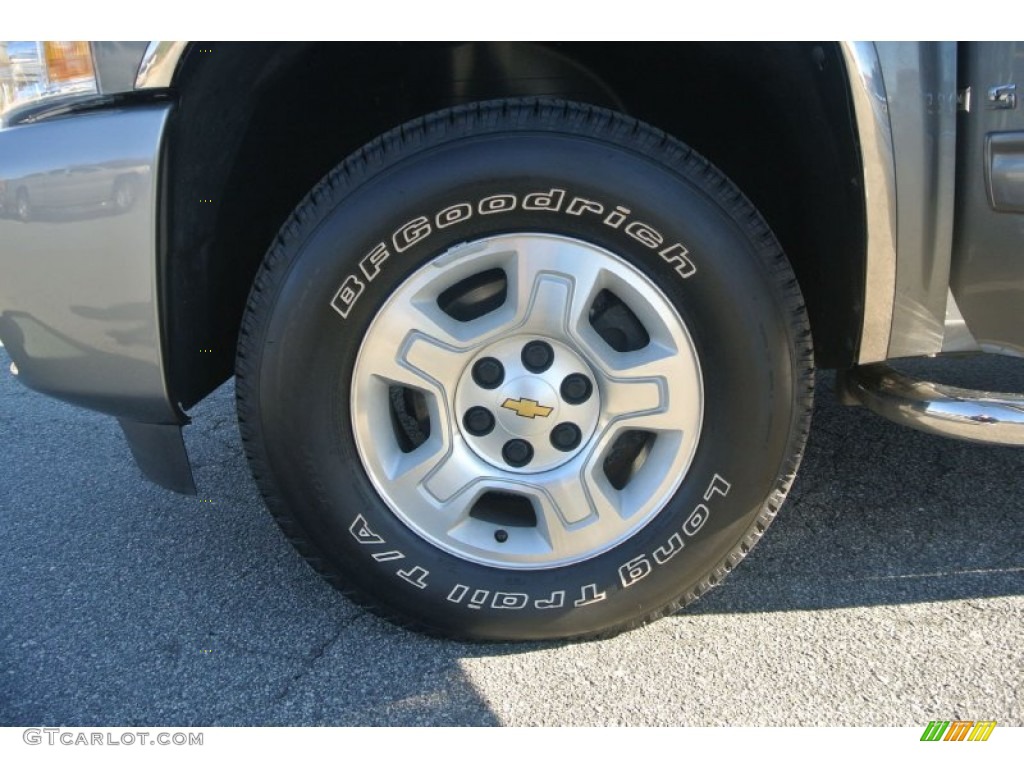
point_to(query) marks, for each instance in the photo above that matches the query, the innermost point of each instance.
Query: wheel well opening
(257, 125)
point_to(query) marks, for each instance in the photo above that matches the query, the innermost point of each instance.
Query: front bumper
(78, 263)
(78, 305)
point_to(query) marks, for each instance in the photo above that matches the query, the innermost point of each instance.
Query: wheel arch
(258, 125)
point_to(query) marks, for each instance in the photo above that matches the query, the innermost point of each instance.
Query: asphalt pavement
(890, 591)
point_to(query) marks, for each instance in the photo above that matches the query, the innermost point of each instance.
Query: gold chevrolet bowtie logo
(527, 408)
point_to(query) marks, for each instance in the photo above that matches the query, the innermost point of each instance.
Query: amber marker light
(68, 61)
(34, 73)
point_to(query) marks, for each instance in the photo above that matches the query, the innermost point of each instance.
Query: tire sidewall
(730, 304)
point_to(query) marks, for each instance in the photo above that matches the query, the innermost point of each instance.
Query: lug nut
(488, 372)
(537, 356)
(576, 388)
(517, 453)
(478, 421)
(566, 436)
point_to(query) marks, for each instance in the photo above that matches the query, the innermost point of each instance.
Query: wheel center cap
(515, 409)
(527, 406)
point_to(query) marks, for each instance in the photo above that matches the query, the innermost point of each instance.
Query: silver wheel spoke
(603, 526)
(455, 473)
(422, 315)
(421, 363)
(648, 389)
(553, 289)
(441, 478)
(547, 304)
(634, 398)
(412, 349)
(430, 359)
(576, 509)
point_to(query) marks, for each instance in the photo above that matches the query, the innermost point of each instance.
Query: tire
(565, 242)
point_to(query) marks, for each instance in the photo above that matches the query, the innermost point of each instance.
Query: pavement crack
(311, 659)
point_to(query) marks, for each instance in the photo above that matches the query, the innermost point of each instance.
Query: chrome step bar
(967, 414)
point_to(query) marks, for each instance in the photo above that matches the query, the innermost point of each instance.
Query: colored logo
(527, 408)
(958, 730)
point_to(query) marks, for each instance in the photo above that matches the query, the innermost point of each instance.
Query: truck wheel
(524, 369)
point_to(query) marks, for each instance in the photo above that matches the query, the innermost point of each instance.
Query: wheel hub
(513, 392)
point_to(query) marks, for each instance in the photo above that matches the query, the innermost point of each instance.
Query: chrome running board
(966, 414)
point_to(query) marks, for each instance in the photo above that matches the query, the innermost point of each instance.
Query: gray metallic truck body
(86, 304)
